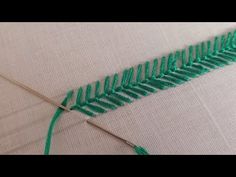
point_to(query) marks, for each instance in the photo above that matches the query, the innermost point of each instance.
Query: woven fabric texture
(198, 117)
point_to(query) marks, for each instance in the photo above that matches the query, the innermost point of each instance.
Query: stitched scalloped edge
(144, 79)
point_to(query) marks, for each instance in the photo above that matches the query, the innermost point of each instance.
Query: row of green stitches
(175, 69)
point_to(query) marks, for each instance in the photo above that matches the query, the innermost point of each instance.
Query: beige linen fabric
(198, 117)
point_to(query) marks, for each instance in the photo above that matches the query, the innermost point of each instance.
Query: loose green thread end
(140, 150)
(54, 121)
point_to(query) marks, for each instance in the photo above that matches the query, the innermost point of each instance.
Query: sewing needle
(34, 92)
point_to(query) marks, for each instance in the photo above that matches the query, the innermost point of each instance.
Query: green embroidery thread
(54, 121)
(140, 150)
(135, 84)
(142, 80)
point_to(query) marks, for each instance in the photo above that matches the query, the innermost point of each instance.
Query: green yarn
(96, 109)
(130, 77)
(147, 66)
(216, 45)
(197, 51)
(79, 96)
(190, 59)
(106, 84)
(140, 150)
(97, 89)
(121, 97)
(88, 92)
(203, 48)
(150, 77)
(105, 104)
(208, 48)
(183, 57)
(131, 94)
(114, 82)
(54, 121)
(115, 101)
(170, 63)
(139, 91)
(139, 74)
(82, 110)
(154, 68)
(162, 67)
(124, 77)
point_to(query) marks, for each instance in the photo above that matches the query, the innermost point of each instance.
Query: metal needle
(34, 92)
(110, 133)
(49, 100)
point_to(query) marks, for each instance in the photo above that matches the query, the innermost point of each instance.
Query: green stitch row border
(145, 79)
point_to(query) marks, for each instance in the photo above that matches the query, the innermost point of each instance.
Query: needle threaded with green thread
(54, 121)
(140, 150)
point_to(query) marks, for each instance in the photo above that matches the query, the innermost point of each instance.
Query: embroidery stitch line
(144, 79)
(147, 80)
